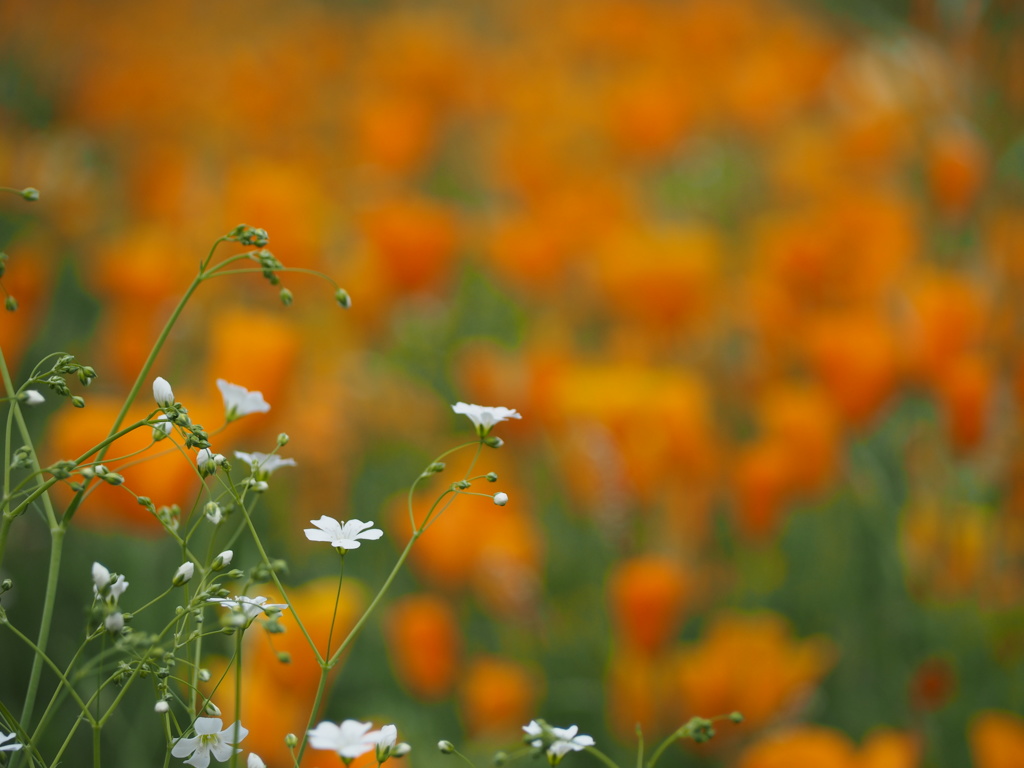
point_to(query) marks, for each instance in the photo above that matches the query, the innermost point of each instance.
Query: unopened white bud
(501, 499)
(31, 397)
(162, 392)
(114, 623)
(184, 574)
(223, 560)
(161, 707)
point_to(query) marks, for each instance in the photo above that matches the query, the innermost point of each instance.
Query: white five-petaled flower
(264, 463)
(5, 747)
(239, 401)
(345, 535)
(32, 397)
(249, 607)
(561, 740)
(162, 392)
(102, 580)
(349, 739)
(210, 739)
(484, 417)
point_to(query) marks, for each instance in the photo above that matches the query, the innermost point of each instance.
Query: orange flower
(424, 644)
(802, 419)
(804, 747)
(498, 696)
(997, 740)
(948, 318)
(965, 389)
(762, 479)
(648, 595)
(750, 663)
(414, 239)
(956, 169)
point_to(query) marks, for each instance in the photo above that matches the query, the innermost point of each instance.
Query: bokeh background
(750, 270)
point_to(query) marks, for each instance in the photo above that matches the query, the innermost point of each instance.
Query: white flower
(484, 417)
(210, 739)
(32, 397)
(342, 535)
(162, 392)
(184, 574)
(103, 583)
(501, 499)
(248, 607)
(255, 761)
(349, 740)
(264, 463)
(239, 401)
(223, 560)
(561, 741)
(5, 747)
(213, 512)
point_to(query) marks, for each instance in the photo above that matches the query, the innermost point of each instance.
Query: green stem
(334, 615)
(49, 600)
(238, 695)
(677, 734)
(602, 757)
(96, 746)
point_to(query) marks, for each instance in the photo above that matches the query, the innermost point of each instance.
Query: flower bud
(212, 709)
(494, 441)
(30, 193)
(501, 499)
(223, 560)
(282, 439)
(6, 586)
(184, 574)
(162, 392)
(161, 707)
(286, 297)
(11, 304)
(213, 512)
(114, 623)
(445, 747)
(736, 717)
(78, 402)
(344, 300)
(291, 741)
(492, 477)
(31, 397)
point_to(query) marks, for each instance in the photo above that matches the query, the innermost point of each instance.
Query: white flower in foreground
(345, 535)
(264, 464)
(484, 417)
(560, 741)
(5, 747)
(255, 761)
(162, 392)
(32, 397)
(350, 739)
(239, 401)
(249, 607)
(210, 739)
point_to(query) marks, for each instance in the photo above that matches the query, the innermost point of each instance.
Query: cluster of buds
(270, 264)
(176, 414)
(107, 590)
(247, 235)
(100, 472)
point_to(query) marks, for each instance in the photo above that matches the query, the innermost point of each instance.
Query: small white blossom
(248, 607)
(184, 574)
(161, 707)
(255, 761)
(483, 417)
(263, 464)
(501, 499)
(210, 739)
(350, 739)
(561, 741)
(5, 747)
(162, 392)
(104, 582)
(32, 397)
(345, 535)
(239, 401)
(213, 512)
